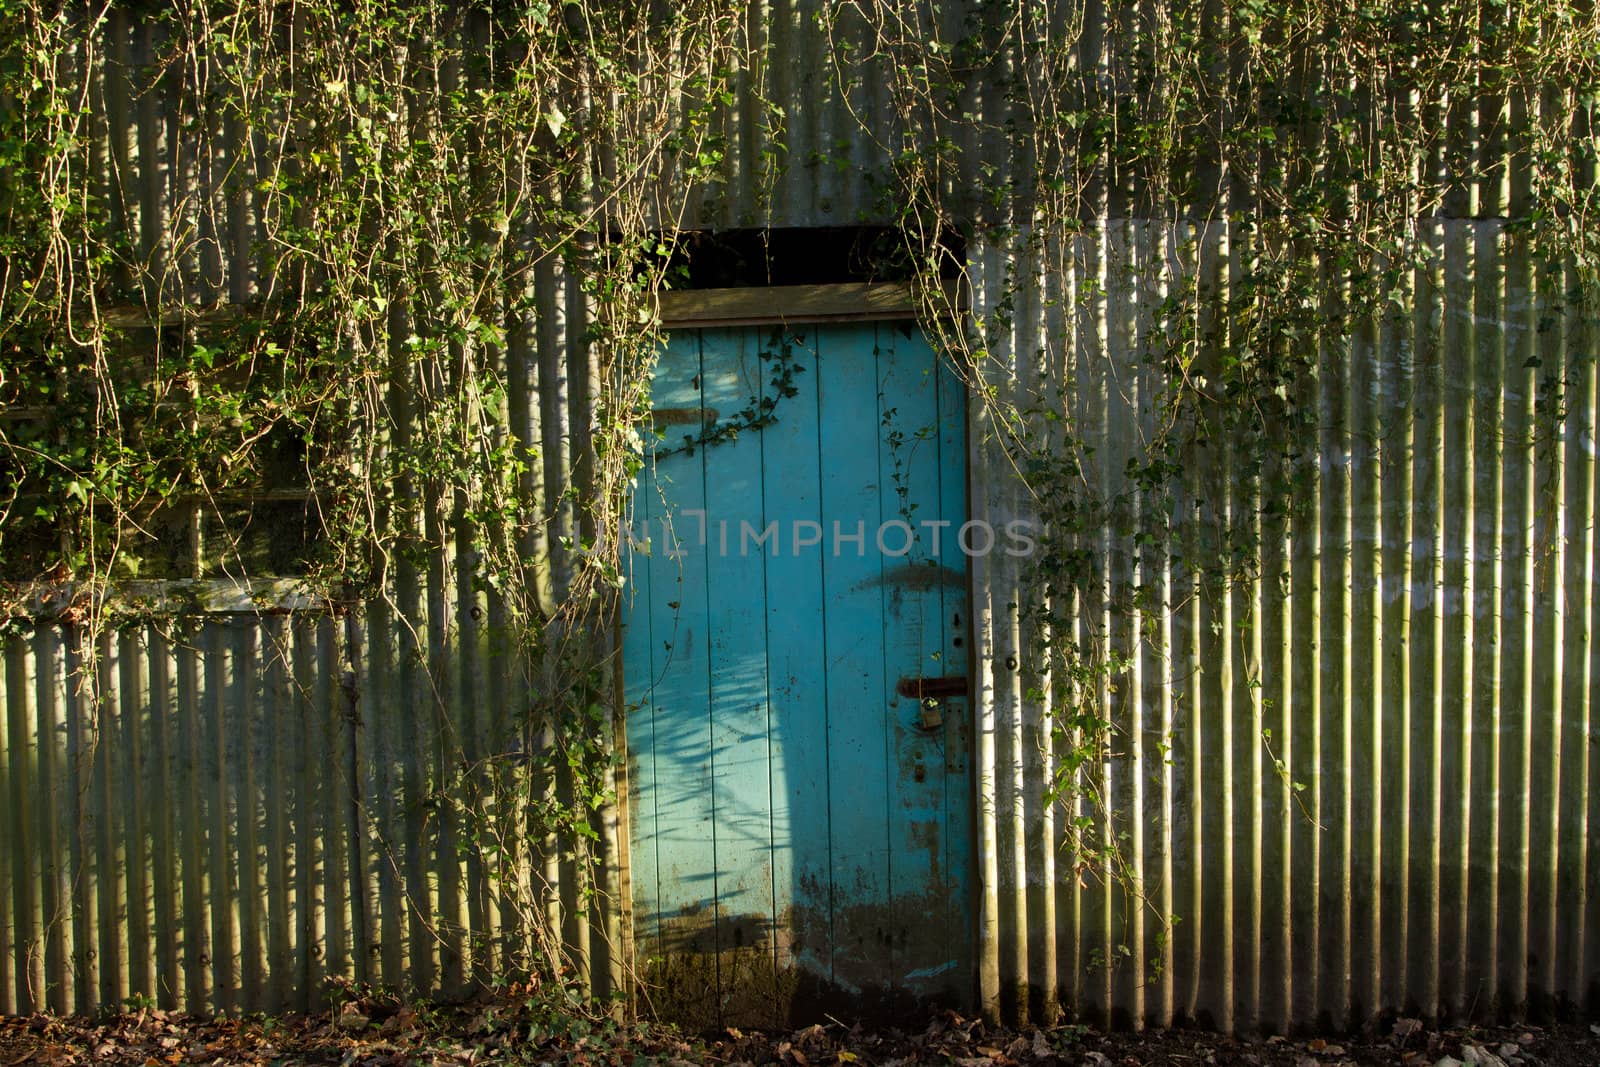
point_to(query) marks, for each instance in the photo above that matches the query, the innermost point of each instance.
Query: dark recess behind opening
(734, 259)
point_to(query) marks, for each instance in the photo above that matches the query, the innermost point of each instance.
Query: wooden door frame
(782, 305)
(798, 304)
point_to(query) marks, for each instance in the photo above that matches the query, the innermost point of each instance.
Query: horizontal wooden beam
(750, 306)
(796, 304)
(75, 600)
(139, 316)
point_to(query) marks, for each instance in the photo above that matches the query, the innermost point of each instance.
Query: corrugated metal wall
(237, 806)
(1416, 643)
(242, 803)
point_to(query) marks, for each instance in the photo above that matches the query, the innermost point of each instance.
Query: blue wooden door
(800, 814)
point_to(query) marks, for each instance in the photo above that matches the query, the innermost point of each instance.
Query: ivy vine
(412, 176)
(759, 411)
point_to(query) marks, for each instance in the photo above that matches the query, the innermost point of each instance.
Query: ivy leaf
(556, 120)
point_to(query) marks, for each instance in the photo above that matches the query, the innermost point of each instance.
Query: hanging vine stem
(363, 200)
(1317, 141)
(405, 173)
(759, 412)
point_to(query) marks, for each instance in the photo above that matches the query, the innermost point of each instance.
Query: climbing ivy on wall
(414, 172)
(408, 170)
(1296, 162)
(407, 179)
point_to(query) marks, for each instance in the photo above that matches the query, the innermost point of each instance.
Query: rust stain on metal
(683, 416)
(934, 688)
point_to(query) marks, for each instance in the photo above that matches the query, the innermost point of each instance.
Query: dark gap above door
(732, 259)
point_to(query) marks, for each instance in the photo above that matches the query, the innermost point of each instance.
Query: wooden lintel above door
(781, 304)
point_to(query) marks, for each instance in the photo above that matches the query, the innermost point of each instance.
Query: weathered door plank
(733, 381)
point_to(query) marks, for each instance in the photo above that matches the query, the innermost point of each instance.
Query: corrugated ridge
(240, 807)
(1415, 640)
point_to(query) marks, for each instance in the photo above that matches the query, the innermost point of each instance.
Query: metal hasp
(936, 688)
(931, 693)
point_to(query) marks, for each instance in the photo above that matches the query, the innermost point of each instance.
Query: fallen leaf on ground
(1404, 1028)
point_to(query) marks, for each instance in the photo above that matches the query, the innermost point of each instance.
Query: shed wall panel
(1348, 779)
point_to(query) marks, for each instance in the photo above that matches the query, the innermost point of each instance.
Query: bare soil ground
(383, 1032)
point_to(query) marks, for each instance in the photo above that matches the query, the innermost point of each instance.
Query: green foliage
(304, 350)
(414, 175)
(1297, 161)
(758, 412)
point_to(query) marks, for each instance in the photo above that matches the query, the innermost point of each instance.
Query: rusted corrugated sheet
(1416, 644)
